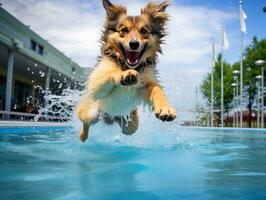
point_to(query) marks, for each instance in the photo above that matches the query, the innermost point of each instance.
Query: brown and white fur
(125, 75)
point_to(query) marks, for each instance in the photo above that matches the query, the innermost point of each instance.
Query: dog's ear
(156, 14)
(113, 11)
(107, 5)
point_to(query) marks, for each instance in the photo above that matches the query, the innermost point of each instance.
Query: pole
(262, 96)
(237, 102)
(258, 105)
(207, 124)
(234, 98)
(47, 85)
(212, 89)
(47, 80)
(222, 82)
(9, 81)
(241, 72)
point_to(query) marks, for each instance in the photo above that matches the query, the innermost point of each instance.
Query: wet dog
(125, 75)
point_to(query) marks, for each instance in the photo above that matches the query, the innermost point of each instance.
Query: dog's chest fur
(121, 101)
(117, 99)
(124, 99)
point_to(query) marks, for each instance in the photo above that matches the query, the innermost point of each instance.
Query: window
(73, 70)
(40, 50)
(22, 93)
(36, 47)
(2, 91)
(33, 45)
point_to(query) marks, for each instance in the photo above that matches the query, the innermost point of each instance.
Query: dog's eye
(124, 31)
(144, 31)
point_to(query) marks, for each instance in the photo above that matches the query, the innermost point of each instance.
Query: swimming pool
(173, 163)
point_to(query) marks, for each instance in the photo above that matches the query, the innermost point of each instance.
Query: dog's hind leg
(88, 112)
(84, 132)
(128, 126)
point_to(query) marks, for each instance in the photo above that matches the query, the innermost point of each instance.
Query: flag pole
(212, 89)
(241, 71)
(222, 81)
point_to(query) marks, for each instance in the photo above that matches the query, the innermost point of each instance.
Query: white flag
(225, 41)
(213, 52)
(243, 18)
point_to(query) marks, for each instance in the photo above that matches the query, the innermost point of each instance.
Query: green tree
(255, 51)
(228, 91)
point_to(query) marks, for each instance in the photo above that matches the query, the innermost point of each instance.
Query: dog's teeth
(132, 63)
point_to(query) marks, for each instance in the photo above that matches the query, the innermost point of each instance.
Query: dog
(125, 75)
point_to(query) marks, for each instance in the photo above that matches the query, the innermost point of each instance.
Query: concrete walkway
(14, 124)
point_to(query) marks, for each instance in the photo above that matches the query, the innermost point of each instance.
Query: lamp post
(260, 63)
(236, 74)
(234, 85)
(258, 79)
(212, 76)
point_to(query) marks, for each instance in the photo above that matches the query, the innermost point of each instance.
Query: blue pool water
(158, 163)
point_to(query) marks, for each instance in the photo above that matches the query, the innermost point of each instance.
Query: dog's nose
(134, 44)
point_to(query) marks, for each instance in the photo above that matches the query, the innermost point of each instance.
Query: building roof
(16, 35)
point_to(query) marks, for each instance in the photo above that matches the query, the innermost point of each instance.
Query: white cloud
(74, 27)
(190, 31)
(66, 24)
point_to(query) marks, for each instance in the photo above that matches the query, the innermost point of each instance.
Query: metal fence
(6, 115)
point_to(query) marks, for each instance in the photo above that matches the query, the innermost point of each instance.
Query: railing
(8, 114)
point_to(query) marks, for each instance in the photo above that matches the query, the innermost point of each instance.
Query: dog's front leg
(103, 85)
(161, 106)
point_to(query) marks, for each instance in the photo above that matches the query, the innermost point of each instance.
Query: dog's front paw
(129, 77)
(164, 112)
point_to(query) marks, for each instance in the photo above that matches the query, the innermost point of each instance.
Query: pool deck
(16, 124)
(226, 128)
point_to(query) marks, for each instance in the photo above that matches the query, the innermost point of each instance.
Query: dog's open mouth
(132, 57)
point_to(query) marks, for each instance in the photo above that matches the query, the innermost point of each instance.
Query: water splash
(61, 107)
(152, 133)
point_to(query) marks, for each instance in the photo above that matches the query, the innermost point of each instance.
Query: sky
(74, 27)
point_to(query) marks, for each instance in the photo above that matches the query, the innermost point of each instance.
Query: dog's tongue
(132, 57)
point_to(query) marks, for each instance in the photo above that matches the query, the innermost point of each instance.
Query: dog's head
(134, 39)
